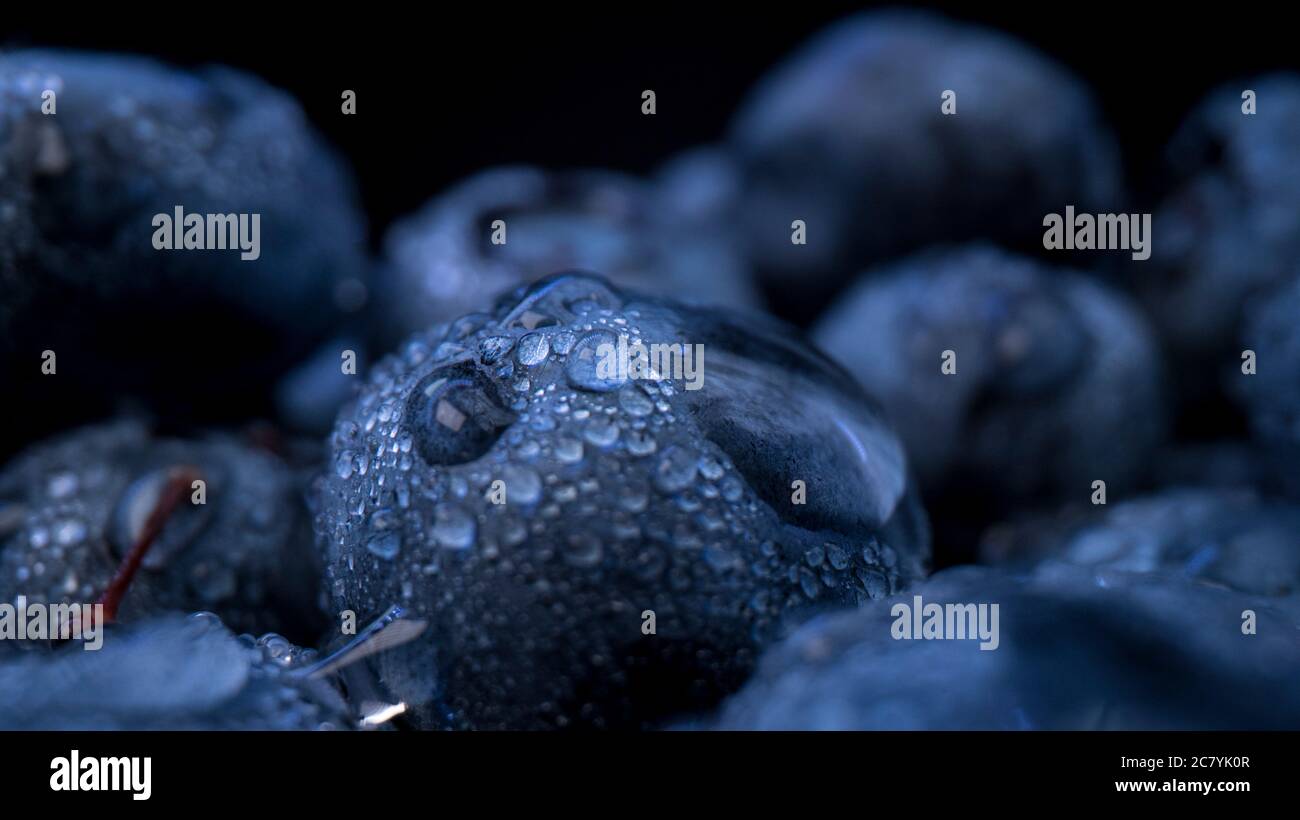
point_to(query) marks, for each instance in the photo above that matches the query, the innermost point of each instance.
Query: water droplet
(533, 349)
(523, 486)
(675, 470)
(343, 464)
(584, 550)
(593, 363)
(493, 348)
(710, 468)
(635, 403)
(568, 450)
(454, 528)
(640, 443)
(601, 433)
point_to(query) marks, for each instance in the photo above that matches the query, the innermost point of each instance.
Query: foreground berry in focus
(620, 499)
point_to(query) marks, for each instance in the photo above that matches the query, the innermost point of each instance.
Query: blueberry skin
(442, 262)
(1229, 228)
(622, 496)
(1234, 538)
(191, 332)
(1077, 650)
(848, 136)
(72, 507)
(1058, 380)
(172, 672)
(1271, 396)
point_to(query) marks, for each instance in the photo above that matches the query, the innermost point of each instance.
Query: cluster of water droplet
(74, 507)
(531, 503)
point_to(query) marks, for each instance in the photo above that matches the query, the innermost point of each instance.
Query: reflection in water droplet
(533, 349)
(593, 364)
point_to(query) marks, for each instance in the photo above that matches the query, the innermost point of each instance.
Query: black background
(445, 90)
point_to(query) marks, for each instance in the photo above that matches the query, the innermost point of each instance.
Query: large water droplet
(533, 349)
(593, 363)
(523, 486)
(458, 414)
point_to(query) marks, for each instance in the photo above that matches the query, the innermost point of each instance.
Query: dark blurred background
(443, 92)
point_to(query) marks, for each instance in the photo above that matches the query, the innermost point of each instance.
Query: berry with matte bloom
(849, 136)
(1076, 649)
(185, 330)
(1229, 229)
(1055, 382)
(443, 262)
(1271, 395)
(79, 510)
(172, 672)
(1229, 537)
(591, 548)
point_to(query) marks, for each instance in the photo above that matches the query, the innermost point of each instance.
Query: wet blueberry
(453, 257)
(1076, 649)
(82, 505)
(539, 514)
(848, 135)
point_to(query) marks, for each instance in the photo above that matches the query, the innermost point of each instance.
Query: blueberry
(849, 137)
(1229, 537)
(1057, 380)
(1076, 650)
(443, 262)
(169, 673)
(78, 506)
(1271, 395)
(620, 497)
(1230, 226)
(189, 331)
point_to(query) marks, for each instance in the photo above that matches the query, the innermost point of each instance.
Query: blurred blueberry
(1076, 650)
(1057, 383)
(848, 136)
(169, 673)
(193, 332)
(1271, 396)
(442, 262)
(1229, 228)
(622, 496)
(1229, 537)
(77, 505)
